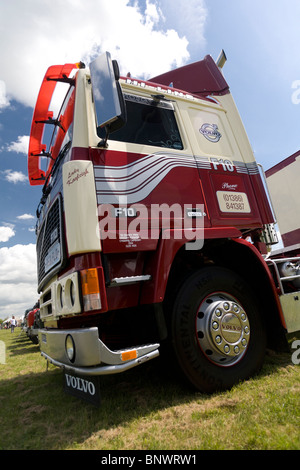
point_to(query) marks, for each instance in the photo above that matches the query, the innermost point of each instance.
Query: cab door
(224, 175)
(150, 165)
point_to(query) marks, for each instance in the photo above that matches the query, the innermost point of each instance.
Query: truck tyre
(217, 332)
(34, 339)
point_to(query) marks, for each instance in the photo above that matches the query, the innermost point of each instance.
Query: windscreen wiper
(54, 122)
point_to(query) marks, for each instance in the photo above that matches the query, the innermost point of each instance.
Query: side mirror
(109, 101)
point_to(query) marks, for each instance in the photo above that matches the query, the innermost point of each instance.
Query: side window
(149, 122)
(63, 132)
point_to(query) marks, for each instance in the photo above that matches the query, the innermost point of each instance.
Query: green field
(144, 408)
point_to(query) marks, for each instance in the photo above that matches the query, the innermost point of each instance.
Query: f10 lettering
(125, 212)
(226, 165)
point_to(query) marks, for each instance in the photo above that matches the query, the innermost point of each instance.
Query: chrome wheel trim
(222, 329)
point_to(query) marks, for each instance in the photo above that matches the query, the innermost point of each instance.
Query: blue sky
(261, 41)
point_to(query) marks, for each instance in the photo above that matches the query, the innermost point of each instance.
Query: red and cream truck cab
(154, 227)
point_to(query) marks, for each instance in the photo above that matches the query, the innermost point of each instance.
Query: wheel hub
(223, 329)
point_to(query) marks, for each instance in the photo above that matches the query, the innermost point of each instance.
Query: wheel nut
(226, 348)
(215, 325)
(218, 312)
(218, 339)
(226, 306)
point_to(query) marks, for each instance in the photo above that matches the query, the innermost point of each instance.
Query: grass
(144, 408)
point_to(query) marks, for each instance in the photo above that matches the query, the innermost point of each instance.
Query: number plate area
(53, 257)
(86, 387)
(230, 201)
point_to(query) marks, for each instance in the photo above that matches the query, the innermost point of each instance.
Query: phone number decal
(233, 202)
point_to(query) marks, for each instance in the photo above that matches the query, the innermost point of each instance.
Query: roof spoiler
(203, 78)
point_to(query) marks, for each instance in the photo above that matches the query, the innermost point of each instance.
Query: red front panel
(231, 196)
(148, 185)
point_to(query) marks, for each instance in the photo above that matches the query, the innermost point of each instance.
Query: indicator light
(129, 355)
(90, 289)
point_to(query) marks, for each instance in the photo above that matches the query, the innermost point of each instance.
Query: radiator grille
(50, 253)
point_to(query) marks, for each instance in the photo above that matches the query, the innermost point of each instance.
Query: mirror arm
(103, 142)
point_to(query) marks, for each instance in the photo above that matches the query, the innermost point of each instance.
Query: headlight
(70, 348)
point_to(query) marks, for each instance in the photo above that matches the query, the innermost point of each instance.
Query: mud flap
(86, 388)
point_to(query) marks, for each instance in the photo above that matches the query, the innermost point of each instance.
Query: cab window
(149, 122)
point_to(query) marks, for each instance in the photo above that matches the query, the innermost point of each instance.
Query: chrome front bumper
(92, 357)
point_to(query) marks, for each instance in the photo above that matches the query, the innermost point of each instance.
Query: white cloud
(4, 102)
(14, 176)
(25, 217)
(188, 18)
(18, 263)
(153, 13)
(18, 279)
(6, 233)
(21, 146)
(40, 34)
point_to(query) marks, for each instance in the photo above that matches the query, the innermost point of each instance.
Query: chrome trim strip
(106, 369)
(120, 281)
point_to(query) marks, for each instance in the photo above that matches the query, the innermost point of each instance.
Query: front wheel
(217, 333)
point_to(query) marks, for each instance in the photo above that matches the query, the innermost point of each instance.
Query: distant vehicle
(32, 323)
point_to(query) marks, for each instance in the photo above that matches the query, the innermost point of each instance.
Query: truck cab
(153, 225)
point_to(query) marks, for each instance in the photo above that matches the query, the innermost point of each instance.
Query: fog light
(70, 348)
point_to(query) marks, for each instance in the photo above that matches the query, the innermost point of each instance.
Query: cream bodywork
(80, 207)
(78, 178)
(284, 190)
